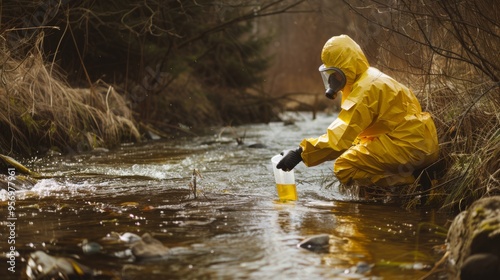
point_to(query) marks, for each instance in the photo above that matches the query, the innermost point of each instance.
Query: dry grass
(470, 138)
(40, 111)
(467, 116)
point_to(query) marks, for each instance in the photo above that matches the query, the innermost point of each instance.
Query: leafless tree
(464, 31)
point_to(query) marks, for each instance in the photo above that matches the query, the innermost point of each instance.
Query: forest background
(78, 75)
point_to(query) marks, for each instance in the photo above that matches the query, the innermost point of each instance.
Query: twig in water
(193, 184)
(436, 266)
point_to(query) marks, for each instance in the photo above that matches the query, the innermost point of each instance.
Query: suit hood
(344, 53)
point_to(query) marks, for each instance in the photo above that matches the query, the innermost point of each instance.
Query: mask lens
(333, 79)
(324, 75)
(334, 83)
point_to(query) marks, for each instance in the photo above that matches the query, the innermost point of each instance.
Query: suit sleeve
(357, 113)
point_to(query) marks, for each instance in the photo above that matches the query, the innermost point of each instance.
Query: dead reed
(470, 144)
(40, 111)
(467, 116)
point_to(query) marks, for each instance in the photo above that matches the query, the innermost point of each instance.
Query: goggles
(333, 79)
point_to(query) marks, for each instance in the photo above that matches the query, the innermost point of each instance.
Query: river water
(234, 229)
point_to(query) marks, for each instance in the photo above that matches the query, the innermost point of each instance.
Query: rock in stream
(474, 241)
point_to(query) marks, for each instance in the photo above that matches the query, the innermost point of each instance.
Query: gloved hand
(290, 160)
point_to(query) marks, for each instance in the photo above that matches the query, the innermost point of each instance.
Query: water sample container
(285, 181)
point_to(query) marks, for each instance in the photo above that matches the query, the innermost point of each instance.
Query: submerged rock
(90, 248)
(480, 266)
(315, 243)
(129, 237)
(358, 271)
(474, 241)
(141, 248)
(43, 266)
(149, 248)
(362, 268)
(240, 142)
(257, 146)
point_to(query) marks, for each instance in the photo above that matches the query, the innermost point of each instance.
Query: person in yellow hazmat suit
(381, 136)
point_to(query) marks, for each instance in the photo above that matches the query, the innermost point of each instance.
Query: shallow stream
(234, 229)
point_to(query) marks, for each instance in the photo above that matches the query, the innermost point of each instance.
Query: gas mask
(334, 80)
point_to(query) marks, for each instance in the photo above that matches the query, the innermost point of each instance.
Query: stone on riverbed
(43, 266)
(316, 243)
(140, 248)
(474, 241)
(149, 248)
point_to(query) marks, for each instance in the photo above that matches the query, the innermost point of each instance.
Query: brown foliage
(42, 112)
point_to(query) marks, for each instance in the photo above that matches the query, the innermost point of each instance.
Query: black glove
(290, 160)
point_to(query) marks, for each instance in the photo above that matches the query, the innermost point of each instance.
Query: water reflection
(234, 229)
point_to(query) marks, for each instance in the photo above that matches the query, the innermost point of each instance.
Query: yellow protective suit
(381, 135)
